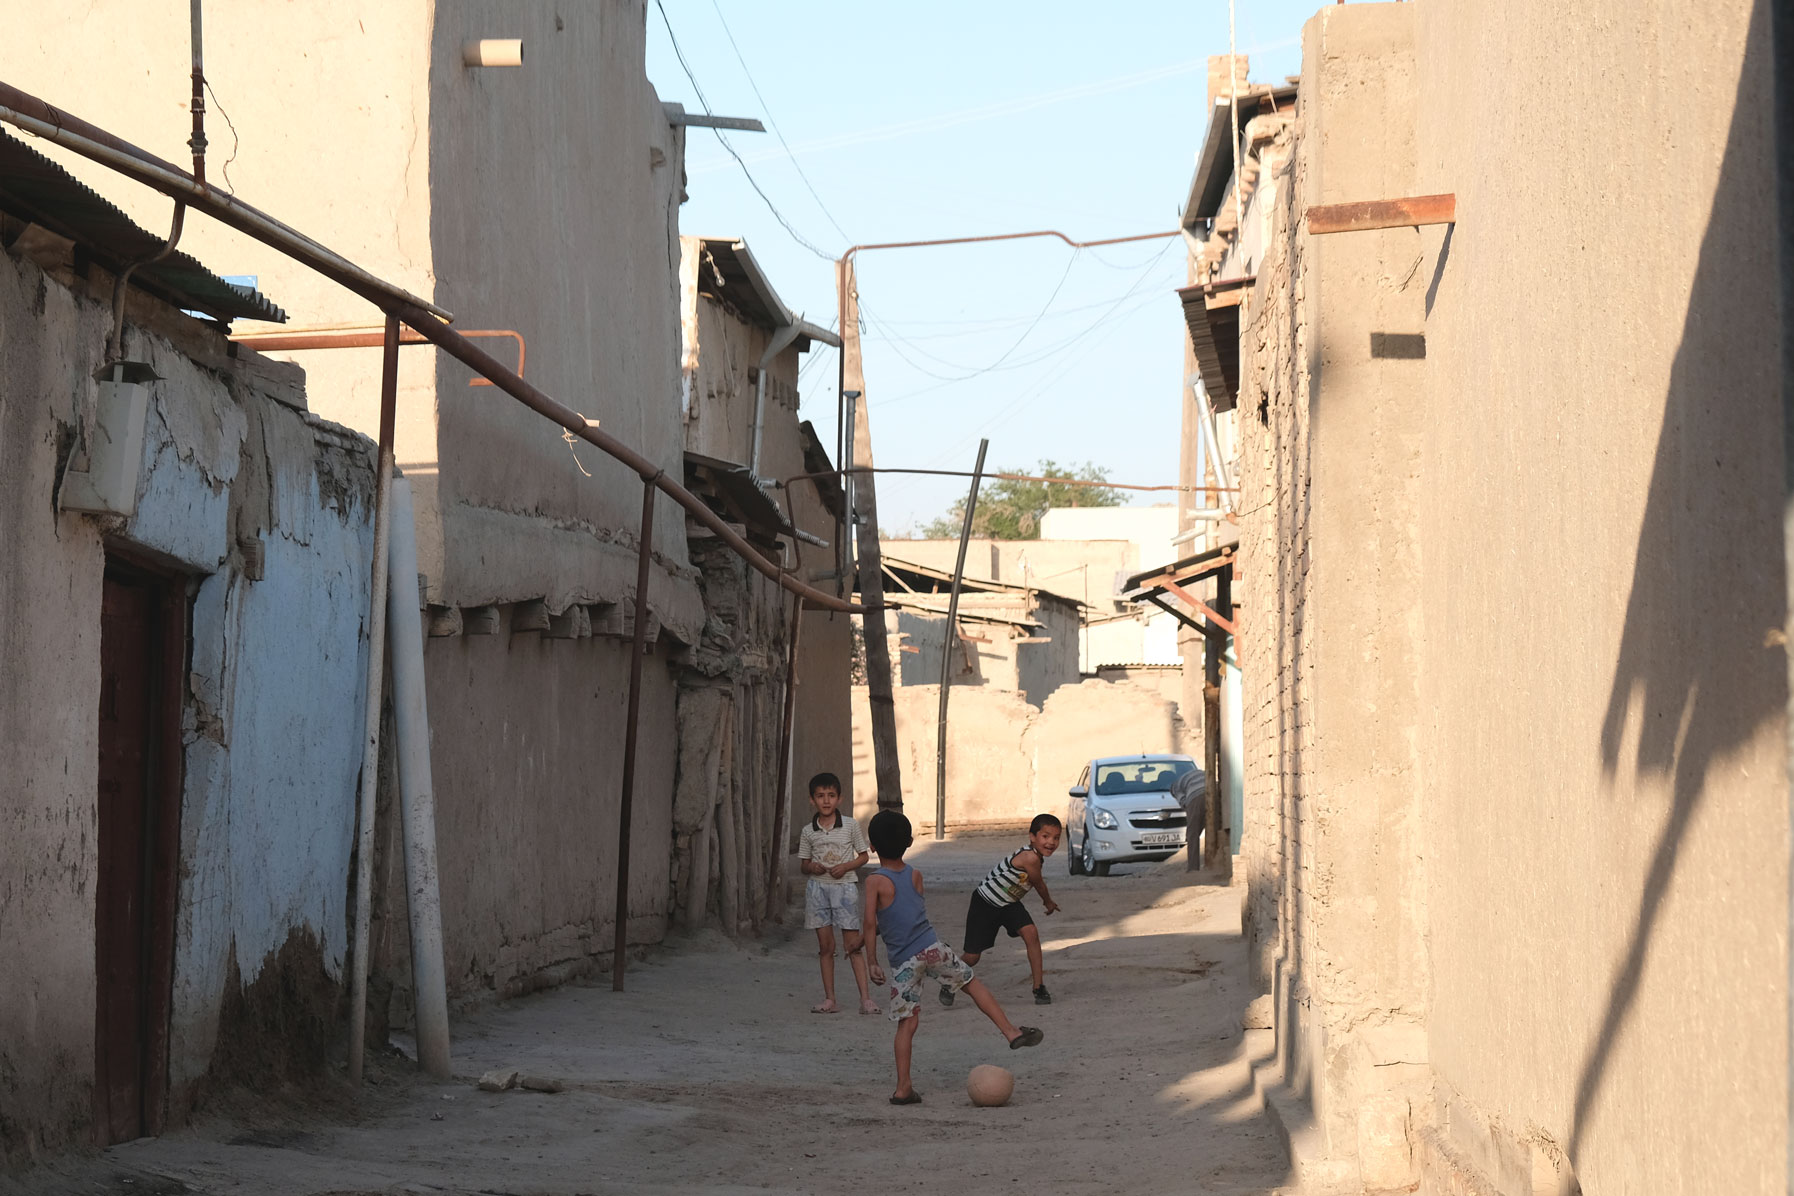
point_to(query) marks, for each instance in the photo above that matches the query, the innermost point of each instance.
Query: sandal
(870, 1007)
(914, 1098)
(1029, 1036)
(825, 1007)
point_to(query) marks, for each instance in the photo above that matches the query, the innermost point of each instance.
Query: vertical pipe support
(632, 723)
(417, 792)
(370, 752)
(947, 645)
(198, 141)
(781, 815)
(779, 342)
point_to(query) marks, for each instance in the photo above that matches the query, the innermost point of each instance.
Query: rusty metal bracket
(1361, 216)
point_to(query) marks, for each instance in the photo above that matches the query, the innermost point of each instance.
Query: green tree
(1010, 510)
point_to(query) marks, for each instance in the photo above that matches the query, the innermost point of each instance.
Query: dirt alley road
(711, 1075)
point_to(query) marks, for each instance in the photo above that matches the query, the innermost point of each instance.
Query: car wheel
(1074, 860)
(1087, 861)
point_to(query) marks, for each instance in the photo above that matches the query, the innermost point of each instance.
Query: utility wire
(1112, 309)
(776, 132)
(752, 182)
(974, 371)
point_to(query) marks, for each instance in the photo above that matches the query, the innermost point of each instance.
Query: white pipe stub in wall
(492, 51)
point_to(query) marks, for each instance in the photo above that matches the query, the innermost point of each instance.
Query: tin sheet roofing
(35, 189)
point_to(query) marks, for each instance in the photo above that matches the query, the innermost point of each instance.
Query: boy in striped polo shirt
(829, 851)
(997, 902)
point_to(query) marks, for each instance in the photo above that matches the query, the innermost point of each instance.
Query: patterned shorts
(938, 963)
(831, 905)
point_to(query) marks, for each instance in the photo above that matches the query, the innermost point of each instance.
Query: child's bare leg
(825, 952)
(1031, 940)
(987, 1005)
(971, 957)
(851, 941)
(906, 1035)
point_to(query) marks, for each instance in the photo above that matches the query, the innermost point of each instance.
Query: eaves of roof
(730, 275)
(37, 190)
(1214, 164)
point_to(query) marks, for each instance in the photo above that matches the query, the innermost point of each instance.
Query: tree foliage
(1010, 510)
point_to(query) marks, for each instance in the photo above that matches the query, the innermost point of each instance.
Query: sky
(926, 120)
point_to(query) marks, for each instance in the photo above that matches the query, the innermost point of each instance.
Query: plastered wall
(1006, 759)
(1622, 978)
(1516, 706)
(541, 199)
(271, 709)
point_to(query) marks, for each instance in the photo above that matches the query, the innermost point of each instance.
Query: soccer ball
(990, 1085)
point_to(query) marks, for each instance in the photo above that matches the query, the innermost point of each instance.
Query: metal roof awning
(1152, 586)
(926, 579)
(912, 602)
(1214, 165)
(729, 274)
(730, 489)
(1212, 314)
(38, 191)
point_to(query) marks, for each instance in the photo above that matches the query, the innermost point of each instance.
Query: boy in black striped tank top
(997, 902)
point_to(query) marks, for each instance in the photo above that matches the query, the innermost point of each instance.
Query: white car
(1123, 811)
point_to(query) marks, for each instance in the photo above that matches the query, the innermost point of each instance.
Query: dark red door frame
(169, 619)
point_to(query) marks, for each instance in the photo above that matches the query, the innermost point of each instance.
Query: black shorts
(982, 920)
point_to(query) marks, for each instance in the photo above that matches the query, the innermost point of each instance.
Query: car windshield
(1140, 776)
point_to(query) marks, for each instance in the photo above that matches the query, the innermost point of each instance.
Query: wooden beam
(1202, 607)
(1411, 212)
(1183, 577)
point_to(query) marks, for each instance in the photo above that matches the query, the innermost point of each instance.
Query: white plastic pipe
(493, 51)
(417, 796)
(1213, 443)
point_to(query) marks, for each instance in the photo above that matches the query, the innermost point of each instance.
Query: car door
(1074, 814)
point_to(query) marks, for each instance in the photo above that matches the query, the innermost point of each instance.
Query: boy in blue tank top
(895, 912)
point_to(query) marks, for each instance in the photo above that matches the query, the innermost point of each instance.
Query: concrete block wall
(1329, 436)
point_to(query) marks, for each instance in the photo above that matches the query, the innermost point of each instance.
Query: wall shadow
(1700, 652)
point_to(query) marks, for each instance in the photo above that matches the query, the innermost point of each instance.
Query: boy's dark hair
(890, 834)
(825, 780)
(1044, 820)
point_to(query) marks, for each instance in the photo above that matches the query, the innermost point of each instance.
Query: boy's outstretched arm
(875, 886)
(1029, 863)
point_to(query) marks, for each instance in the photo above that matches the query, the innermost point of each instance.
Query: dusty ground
(709, 1075)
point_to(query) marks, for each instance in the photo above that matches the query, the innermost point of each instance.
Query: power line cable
(974, 371)
(752, 182)
(1112, 310)
(766, 108)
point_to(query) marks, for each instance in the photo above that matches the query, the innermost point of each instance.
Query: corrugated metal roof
(734, 490)
(730, 275)
(35, 189)
(1214, 164)
(1212, 314)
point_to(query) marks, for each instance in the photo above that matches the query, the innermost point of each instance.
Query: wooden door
(142, 647)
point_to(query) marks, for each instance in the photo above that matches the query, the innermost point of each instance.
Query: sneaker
(1042, 996)
(946, 995)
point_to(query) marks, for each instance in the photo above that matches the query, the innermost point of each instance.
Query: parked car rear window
(1140, 776)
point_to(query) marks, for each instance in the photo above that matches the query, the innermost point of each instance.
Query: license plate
(1154, 838)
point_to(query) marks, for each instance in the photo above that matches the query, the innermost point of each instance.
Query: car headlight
(1102, 820)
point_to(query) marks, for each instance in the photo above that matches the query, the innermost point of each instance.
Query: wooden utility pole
(864, 519)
